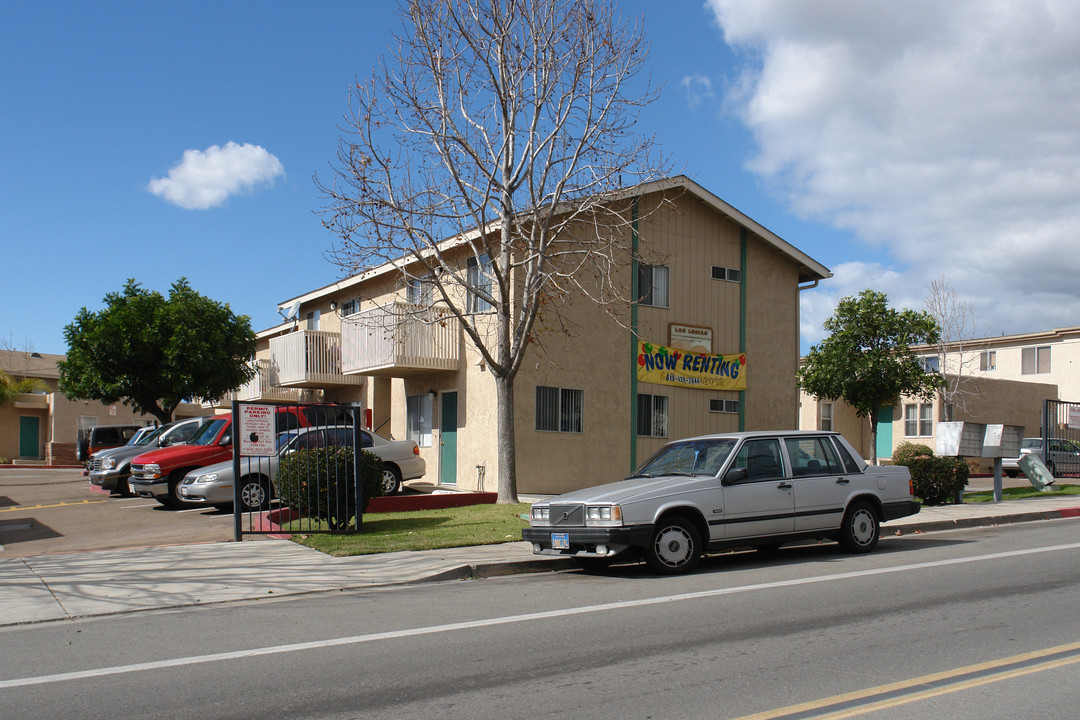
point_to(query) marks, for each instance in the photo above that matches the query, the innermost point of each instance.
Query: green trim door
(884, 433)
(448, 425)
(29, 435)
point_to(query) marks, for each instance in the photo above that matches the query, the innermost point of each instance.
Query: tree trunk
(504, 388)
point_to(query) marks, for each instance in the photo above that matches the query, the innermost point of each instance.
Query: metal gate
(293, 469)
(1061, 437)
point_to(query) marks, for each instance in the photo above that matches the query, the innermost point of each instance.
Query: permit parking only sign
(256, 430)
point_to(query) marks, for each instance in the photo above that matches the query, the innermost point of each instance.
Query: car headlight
(603, 515)
(540, 515)
(151, 471)
(207, 478)
(108, 463)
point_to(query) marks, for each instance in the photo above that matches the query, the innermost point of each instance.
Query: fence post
(358, 479)
(238, 528)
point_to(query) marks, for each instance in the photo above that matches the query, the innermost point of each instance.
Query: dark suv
(103, 437)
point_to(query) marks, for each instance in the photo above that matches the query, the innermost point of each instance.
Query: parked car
(103, 437)
(160, 473)
(110, 469)
(751, 489)
(213, 485)
(1064, 456)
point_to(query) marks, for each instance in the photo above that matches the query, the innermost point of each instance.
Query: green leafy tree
(867, 360)
(152, 353)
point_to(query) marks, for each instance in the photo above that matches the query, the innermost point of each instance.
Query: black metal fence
(1061, 437)
(296, 468)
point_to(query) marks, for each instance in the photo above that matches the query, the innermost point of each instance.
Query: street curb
(983, 521)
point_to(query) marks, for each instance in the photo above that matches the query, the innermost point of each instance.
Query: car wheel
(255, 494)
(122, 488)
(593, 563)
(1012, 473)
(175, 499)
(860, 530)
(675, 546)
(391, 480)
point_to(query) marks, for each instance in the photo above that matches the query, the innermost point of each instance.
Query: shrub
(938, 480)
(905, 451)
(320, 483)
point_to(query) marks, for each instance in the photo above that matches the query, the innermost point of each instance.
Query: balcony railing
(265, 386)
(309, 359)
(400, 340)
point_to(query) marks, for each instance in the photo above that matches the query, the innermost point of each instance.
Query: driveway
(49, 511)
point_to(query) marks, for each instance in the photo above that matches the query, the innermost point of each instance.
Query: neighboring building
(722, 286)
(46, 426)
(1002, 380)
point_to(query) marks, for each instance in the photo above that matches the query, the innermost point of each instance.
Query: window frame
(921, 419)
(648, 275)
(417, 429)
(1032, 360)
(564, 416)
(826, 419)
(654, 401)
(988, 360)
(478, 277)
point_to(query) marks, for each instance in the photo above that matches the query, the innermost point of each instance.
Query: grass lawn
(1016, 493)
(423, 530)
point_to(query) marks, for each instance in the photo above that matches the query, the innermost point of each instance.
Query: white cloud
(207, 178)
(942, 132)
(698, 89)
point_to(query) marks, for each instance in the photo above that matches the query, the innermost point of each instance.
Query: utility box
(961, 439)
(1002, 441)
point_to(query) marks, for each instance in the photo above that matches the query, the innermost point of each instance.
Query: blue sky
(893, 142)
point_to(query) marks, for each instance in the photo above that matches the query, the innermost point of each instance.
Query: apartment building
(711, 345)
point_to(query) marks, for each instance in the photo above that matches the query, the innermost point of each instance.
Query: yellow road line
(55, 505)
(949, 681)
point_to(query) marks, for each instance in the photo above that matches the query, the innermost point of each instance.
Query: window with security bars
(559, 409)
(652, 416)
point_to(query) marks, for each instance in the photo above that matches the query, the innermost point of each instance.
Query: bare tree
(960, 347)
(501, 131)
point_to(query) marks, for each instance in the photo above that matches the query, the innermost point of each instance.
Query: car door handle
(842, 481)
(784, 486)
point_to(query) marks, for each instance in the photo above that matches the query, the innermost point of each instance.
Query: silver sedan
(213, 485)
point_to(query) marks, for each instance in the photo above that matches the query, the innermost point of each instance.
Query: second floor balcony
(308, 359)
(400, 340)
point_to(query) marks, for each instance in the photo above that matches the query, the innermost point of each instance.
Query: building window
(418, 290)
(418, 419)
(988, 360)
(350, 307)
(653, 285)
(825, 421)
(83, 425)
(726, 273)
(479, 279)
(1035, 360)
(559, 409)
(312, 322)
(719, 405)
(652, 415)
(919, 420)
(931, 363)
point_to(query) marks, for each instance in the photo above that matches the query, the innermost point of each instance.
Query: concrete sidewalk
(77, 585)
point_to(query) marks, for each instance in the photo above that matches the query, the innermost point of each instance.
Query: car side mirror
(227, 440)
(733, 476)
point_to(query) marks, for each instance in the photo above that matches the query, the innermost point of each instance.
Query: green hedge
(938, 480)
(319, 483)
(906, 451)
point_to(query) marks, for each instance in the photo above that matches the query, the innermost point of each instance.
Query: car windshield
(1031, 443)
(150, 437)
(206, 434)
(692, 457)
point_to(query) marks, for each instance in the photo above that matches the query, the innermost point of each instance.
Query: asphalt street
(966, 623)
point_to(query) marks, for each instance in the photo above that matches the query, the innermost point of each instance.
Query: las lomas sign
(669, 366)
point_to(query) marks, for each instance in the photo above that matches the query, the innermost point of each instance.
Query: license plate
(560, 541)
